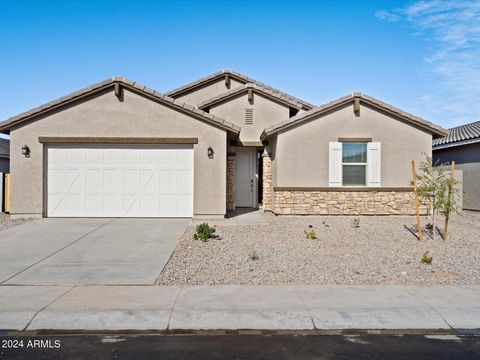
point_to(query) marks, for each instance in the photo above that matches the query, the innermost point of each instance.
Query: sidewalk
(161, 308)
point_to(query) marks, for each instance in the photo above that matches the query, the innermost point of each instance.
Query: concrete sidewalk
(162, 308)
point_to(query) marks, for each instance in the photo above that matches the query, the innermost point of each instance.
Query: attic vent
(248, 116)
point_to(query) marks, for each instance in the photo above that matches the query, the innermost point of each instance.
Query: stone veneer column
(231, 169)
(267, 182)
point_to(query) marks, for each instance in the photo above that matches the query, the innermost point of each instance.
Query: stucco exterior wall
(467, 158)
(266, 112)
(200, 94)
(302, 153)
(105, 116)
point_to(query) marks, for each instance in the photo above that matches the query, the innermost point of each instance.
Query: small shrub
(204, 232)
(310, 234)
(355, 222)
(426, 259)
(254, 256)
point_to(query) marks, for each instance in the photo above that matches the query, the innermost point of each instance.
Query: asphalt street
(276, 347)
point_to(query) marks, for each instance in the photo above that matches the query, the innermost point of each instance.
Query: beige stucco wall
(105, 116)
(301, 154)
(205, 92)
(266, 112)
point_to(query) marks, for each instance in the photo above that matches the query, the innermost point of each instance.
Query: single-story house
(4, 155)
(120, 149)
(462, 145)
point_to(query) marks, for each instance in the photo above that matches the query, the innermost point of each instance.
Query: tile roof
(241, 77)
(434, 129)
(132, 85)
(459, 135)
(255, 87)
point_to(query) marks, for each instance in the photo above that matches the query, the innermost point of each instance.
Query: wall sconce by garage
(210, 152)
(25, 151)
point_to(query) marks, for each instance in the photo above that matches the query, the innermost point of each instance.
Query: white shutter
(335, 164)
(374, 150)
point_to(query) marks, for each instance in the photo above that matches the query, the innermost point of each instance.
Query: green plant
(426, 259)
(438, 191)
(355, 222)
(254, 256)
(310, 233)
(204, 232)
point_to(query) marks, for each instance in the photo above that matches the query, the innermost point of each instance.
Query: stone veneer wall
(267, 182)
(231, 168)
(312, 202)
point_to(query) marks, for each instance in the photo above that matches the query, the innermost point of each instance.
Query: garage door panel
(94, 180)
(167, 205)
(167, 181)
(57, 157)
(184, 205)
(168, 159)
(131, 181)
(112, 204)
(120, 181)
(148, 180)
(93, 157)
(56, 180)
(56, 204)
(148, 205)
(185, 181)
(75, 202)
(111, 185)
(74, 181)
(131, 206)
(74, 157)
(113, 157)
(93, 204)
(130, 157)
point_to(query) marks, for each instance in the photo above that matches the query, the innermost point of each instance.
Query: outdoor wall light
(25, 151)
(210, 152)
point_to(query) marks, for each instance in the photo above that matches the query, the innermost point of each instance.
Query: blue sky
(423, 57)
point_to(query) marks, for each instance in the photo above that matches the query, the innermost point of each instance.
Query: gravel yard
(7, 222)
(380, 250)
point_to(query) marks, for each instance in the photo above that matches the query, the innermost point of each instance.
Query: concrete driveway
(88, 251)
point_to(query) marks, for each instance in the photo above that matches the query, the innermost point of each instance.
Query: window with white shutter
(374, 164)
(335, 164)
(354, 164)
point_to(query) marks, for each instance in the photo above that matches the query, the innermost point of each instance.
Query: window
(354, 164)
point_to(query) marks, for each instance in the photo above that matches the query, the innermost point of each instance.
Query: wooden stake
(417, 205)
(449, 200)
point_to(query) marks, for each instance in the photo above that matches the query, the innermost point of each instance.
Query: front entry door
(245, 178)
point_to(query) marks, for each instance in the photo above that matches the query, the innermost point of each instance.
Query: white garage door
(120, 181)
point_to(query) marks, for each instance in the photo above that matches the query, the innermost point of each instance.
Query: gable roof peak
(342, 101)
(238, 76)
(129, 84)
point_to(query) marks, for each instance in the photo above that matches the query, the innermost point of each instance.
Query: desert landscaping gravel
(7, 222)
(380, 251)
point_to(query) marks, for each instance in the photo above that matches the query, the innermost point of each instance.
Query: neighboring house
(4, 155)
(119, 149)
(462, 145)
